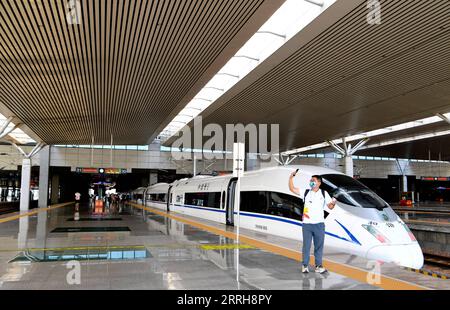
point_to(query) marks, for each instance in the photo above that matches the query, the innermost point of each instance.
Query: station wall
(156, 159)
(382, 168)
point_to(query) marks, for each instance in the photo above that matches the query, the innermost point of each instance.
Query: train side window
(209, 200)
(162, 197)
(213, 200)
(255, 202)
(286, 206)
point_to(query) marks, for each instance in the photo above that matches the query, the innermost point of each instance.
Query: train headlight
(411, 235)
(374, 232)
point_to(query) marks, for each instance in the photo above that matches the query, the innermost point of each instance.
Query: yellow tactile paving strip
(35, 211)
(357, 274)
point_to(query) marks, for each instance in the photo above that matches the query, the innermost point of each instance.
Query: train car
(138, 195)
(362, 223)
(156, 196)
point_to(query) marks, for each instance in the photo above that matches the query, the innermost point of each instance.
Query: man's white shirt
(315, 204)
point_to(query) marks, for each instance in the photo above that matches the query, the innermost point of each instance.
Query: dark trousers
(314, 232)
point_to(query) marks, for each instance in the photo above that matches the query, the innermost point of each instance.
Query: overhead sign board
(440, 179)
(101, 170)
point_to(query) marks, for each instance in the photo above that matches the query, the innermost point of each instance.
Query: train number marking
(203, 187)
(261, 227)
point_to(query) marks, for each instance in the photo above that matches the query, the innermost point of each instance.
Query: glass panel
(255, 202)
(208, 200)
(286, 206)
(351, 192)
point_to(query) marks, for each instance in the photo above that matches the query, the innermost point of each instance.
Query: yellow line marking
(226, 247)
(434, 275)
(355, 273)
(36, 211)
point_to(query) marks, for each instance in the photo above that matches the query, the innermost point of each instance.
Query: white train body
(361, 223)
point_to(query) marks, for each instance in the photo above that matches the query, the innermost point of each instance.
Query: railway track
(436, 260)
(6, 208)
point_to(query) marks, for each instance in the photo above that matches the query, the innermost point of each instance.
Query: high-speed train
(362, 223)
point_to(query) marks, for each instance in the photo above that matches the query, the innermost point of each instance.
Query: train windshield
(352, 192)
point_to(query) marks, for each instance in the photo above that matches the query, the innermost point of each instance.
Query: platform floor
(426, 217)
(126, 247)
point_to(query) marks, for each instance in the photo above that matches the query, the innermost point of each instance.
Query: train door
(169, 198)
(230, 202)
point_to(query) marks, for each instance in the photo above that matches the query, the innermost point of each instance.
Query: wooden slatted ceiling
(123, 71)
(352, 77)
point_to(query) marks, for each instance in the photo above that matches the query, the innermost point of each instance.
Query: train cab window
(352, 192)
(223, 200)
(208, 200)
(286, 206)
(255, 202)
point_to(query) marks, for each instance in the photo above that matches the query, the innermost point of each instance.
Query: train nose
(403, 255)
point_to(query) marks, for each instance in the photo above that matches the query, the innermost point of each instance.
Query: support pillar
(194, 167)
(348, 165)
(55, 189)
(153, 178)
(402, 165)
(347, 151)
(405, 183)
(22, 237)
(44, 169)
(41, 234)
(25, 185)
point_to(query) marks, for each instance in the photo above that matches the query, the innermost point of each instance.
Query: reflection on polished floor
(154, 253)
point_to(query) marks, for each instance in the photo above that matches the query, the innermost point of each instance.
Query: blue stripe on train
(352, 237)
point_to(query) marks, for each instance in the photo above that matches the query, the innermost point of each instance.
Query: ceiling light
(285, 23)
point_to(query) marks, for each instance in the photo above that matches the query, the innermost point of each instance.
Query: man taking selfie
(315, 199)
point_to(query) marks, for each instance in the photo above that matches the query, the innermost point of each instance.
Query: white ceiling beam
(443, 117)
(407, 139)
(316, 2)
(337, 147)
(8, 131)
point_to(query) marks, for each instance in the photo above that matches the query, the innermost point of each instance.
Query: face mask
(312, 184)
